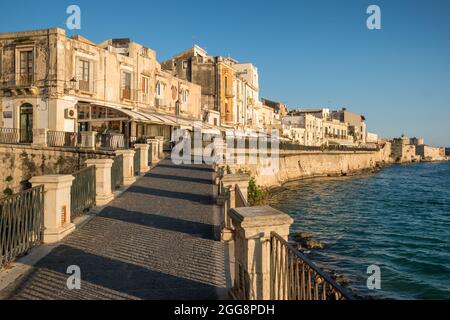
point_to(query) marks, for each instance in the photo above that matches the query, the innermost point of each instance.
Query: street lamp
(73, 83)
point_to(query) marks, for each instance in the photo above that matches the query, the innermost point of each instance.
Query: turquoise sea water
(398, 219)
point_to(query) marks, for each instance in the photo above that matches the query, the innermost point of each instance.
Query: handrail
(295, 277)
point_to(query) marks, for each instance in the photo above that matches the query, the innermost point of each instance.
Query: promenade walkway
(156, 241)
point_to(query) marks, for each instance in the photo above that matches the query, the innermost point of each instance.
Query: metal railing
(137, 161)
(21, 223)
(117, 173)
(62, 139)
(110, 141)
(294, 277)
(83, 191)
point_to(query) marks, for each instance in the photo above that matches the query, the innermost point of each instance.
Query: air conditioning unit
(70, 113)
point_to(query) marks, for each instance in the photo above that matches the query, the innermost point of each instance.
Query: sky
(316, 53)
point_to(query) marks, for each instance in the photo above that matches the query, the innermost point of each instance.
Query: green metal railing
(117, 173)
(21, 223)
(137, 161)
(83, 191)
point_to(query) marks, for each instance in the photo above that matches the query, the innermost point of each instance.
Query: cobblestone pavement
(156, 241)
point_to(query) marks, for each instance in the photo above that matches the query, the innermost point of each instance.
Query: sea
(397, 220)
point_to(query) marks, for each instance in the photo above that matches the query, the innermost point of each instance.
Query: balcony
(17, 84)
(160, 103)
(127, 94)
(84, 86)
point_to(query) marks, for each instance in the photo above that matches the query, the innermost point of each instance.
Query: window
(160, 90)
(84, 75)
(126, 85)
(184, 96)
(226, 85)
(145, 87)
(185, 64)
(26, 67)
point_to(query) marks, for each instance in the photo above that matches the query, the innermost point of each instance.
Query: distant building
(430, 153)
(447, 152)
(403, 151)
(371, 137)
(313, 128)
(228, 87)
(357, 124)
(280, 109)
(417, 141)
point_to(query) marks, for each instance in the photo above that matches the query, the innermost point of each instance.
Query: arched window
(160, 89)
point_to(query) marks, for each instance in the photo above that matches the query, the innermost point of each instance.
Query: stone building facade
(357, 124)
(402, 151)
(72, 84)
(228, 87)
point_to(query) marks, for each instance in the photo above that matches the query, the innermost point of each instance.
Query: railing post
(231, 180)
(143, 163)
(128, 166)
(154, 146)
(102, 180)
(88, 139)
(253, 227)
(57, 220)
(160, 146)
(40, 137)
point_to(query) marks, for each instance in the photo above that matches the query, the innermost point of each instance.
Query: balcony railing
(16, 136)
(21, 223)
(62, 139)
(17, 80)
(84, 86)
(295, 277)
(110, 141)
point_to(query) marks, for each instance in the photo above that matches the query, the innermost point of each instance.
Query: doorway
(26, 123)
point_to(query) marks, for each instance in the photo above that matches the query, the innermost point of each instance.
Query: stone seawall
(18, 163)
(303, 164)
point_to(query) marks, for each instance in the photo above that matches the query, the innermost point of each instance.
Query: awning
(132, 114)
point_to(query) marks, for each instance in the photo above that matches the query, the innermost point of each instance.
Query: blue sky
(309, 53)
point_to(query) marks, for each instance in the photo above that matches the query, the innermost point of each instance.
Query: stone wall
(295, 165)
(430, 153)
(18, 163)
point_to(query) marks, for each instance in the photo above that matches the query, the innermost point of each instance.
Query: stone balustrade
(57, 205)
(247, 233)
(128, 166)
(102, 180)
(144, 161)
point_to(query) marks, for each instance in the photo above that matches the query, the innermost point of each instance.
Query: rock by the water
(306, 242)
(313, 244)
